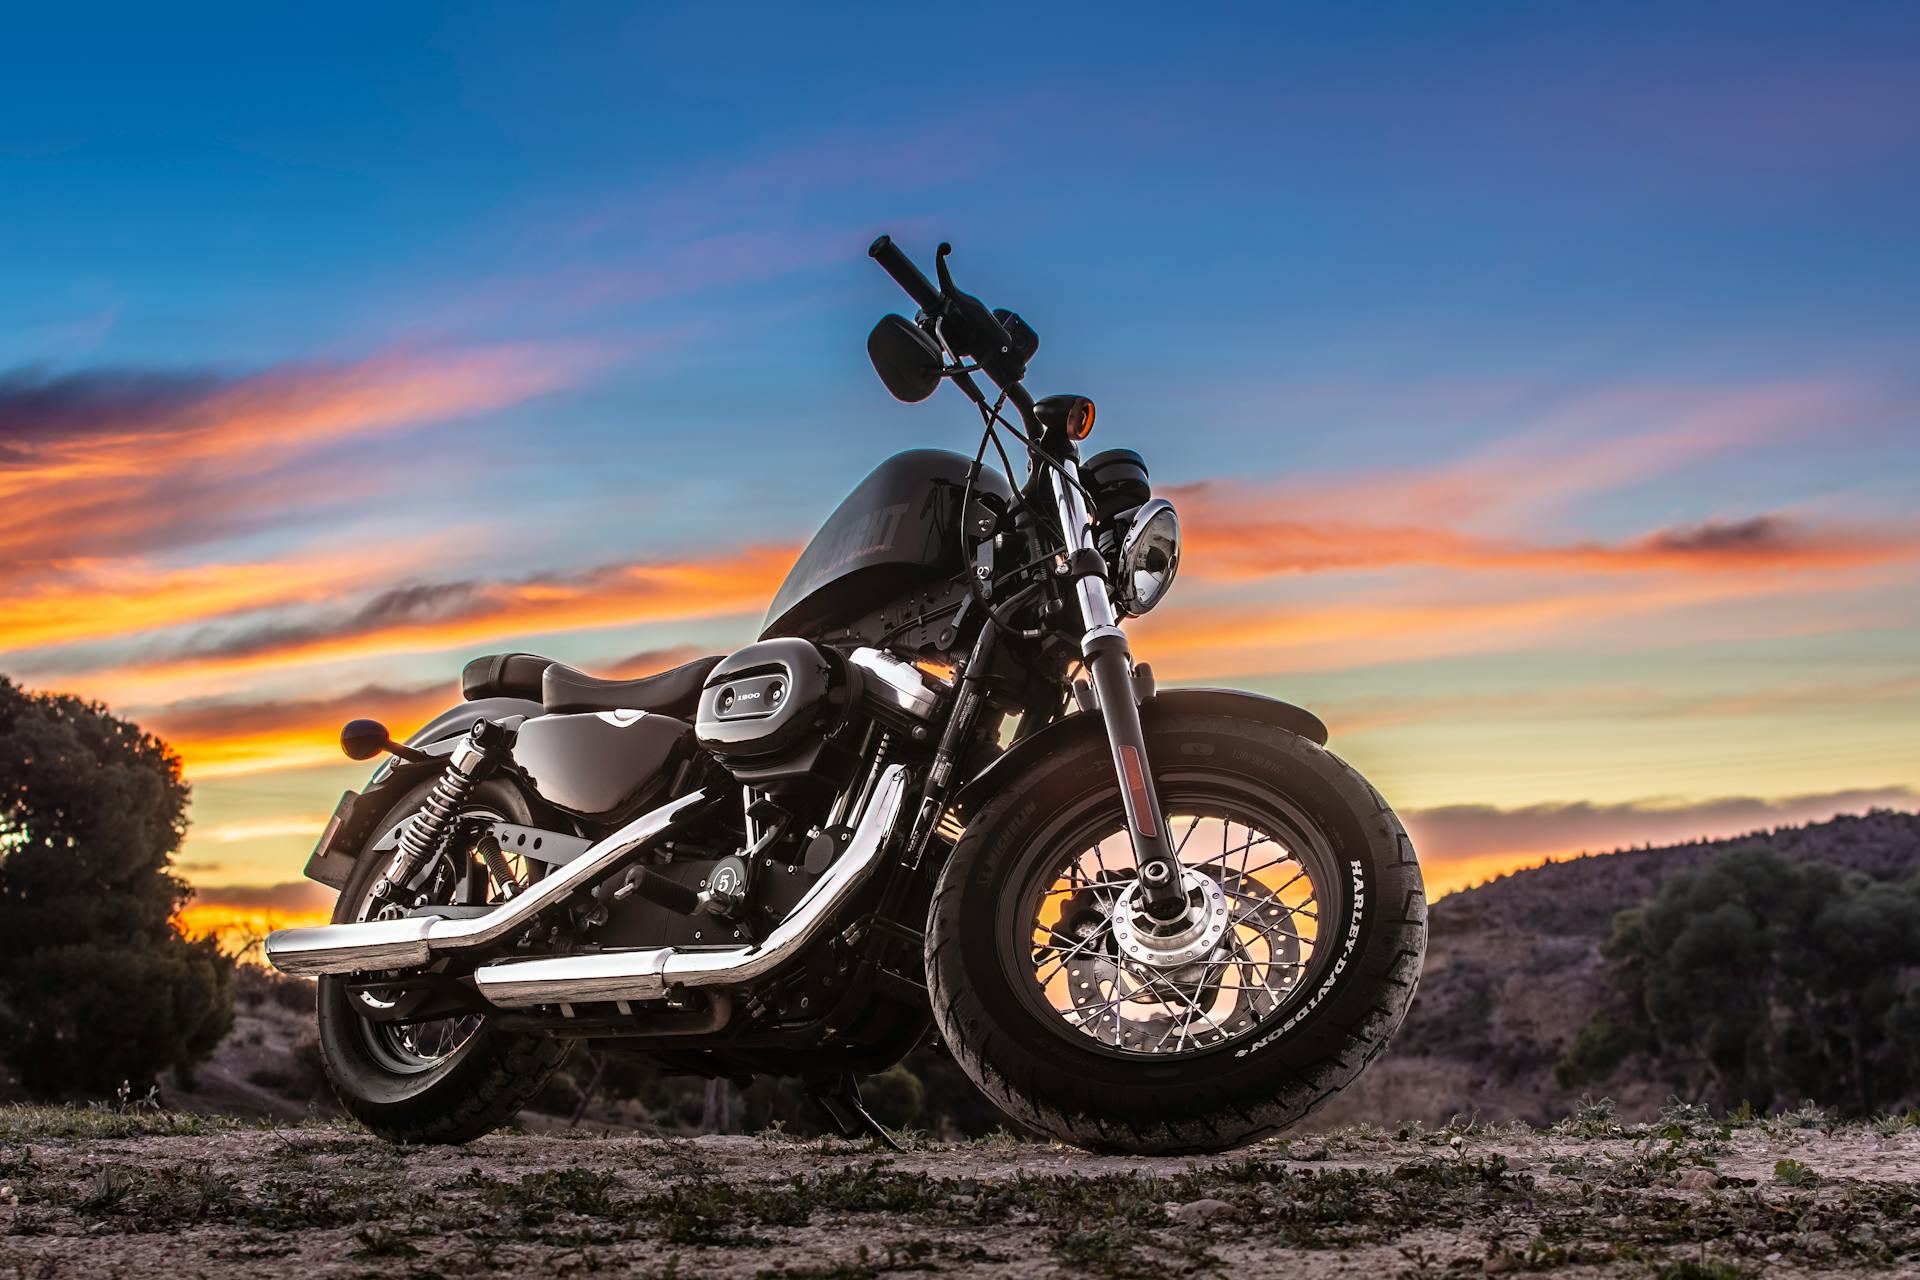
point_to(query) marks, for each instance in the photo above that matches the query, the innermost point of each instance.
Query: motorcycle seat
(673, 693)
(504, 675)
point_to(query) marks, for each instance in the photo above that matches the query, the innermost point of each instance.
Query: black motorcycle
(936, 799)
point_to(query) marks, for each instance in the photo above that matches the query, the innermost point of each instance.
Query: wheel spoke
(1188, 1001)
(1282, 860)
(449, 879)
(1077, 949)
(1126, 1002)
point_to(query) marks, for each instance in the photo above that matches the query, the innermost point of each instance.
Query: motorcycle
(936, 799)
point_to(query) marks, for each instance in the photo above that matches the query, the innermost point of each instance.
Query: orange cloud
(241, 916)
(92, 600)
(235, 736)
(107, 463)
(1229, 537)
(430, 617)
(1462, 513)
(1462, 845)
(1429, 621)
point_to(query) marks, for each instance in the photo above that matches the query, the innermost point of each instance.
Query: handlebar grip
(896, 264)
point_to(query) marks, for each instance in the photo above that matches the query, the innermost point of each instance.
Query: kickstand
(840, 1099)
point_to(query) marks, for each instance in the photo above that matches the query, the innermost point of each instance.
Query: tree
(1763, 979)
(97, 984)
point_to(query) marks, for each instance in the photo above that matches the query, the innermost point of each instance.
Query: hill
(1514, 970)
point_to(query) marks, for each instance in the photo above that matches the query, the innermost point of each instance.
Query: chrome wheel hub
(1189, 936)
(1218, 971)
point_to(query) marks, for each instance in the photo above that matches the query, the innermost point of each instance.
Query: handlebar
(896, 263)
(977, 331)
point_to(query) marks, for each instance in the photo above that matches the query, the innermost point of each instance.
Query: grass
(102, 1121)
(1592, 1191)
(21, 1122)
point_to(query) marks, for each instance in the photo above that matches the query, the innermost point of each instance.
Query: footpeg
(659, 890)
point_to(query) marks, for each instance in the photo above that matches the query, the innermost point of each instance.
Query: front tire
(472, 1088)
(1061, 1019)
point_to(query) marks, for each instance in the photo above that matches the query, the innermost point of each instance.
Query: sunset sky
(1538, 385)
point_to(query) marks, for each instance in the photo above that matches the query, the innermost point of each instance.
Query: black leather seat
(504, 675)
(669, 693)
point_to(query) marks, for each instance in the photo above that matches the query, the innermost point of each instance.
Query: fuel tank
(602, 764)
(898, 531)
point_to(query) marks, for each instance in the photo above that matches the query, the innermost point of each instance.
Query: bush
(1766, 980)
(97, 984)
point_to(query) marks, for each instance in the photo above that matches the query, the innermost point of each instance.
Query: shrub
(97, 984)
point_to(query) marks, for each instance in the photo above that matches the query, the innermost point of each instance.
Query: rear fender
(340, 842)
(1167, 702)
(438, 736)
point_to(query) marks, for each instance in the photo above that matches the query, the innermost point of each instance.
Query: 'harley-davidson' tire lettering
(1339, 967)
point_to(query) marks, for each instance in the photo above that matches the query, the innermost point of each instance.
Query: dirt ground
(99, 1193)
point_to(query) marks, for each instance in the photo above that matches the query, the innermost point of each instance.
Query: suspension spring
(426, 835)
(488, 847)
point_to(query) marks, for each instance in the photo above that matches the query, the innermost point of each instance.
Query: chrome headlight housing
(1149, 557)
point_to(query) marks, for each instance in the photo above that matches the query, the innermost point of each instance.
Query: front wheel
(1296, 959)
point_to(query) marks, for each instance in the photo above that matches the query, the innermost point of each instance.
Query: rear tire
(479, 1086)
(1049, 1071)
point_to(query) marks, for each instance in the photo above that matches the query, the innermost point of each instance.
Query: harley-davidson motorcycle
(937, 799)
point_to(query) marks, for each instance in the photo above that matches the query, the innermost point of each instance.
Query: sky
(1536, 382)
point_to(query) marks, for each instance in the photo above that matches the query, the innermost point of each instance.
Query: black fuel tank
(898, 531)
(603, 763)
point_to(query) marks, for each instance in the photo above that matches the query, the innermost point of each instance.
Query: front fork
(1109, 664)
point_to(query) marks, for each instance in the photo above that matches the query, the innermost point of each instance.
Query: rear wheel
(1294, 962)
(448, 1079)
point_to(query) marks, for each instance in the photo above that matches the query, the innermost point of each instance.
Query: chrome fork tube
(1109, 663)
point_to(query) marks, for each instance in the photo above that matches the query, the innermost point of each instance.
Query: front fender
(1220, 702)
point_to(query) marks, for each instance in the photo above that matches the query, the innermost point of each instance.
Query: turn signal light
(1072, 415)
(1080, 419)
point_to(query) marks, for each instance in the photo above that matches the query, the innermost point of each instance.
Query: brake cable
(975, 587)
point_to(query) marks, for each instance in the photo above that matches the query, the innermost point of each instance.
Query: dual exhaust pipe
(638, 974)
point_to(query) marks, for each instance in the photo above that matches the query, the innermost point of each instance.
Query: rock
(1202, 1211)
(1499, 1262)
(1699, 1180)
(1817, 1242)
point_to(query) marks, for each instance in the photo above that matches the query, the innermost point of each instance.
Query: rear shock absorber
(427, 834)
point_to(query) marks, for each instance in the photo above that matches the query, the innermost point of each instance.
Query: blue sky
(1618, 272)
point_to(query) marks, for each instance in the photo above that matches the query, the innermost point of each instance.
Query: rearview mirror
(906, 359)
(364, 739)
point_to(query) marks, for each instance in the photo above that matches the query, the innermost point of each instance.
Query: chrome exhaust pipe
(647, 974)
(374, 945)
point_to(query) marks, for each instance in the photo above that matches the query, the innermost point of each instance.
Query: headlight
(1149, 557)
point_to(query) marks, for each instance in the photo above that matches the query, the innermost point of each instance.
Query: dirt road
(98, 1194)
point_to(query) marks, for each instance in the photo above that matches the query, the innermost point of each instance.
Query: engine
(787, 714)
